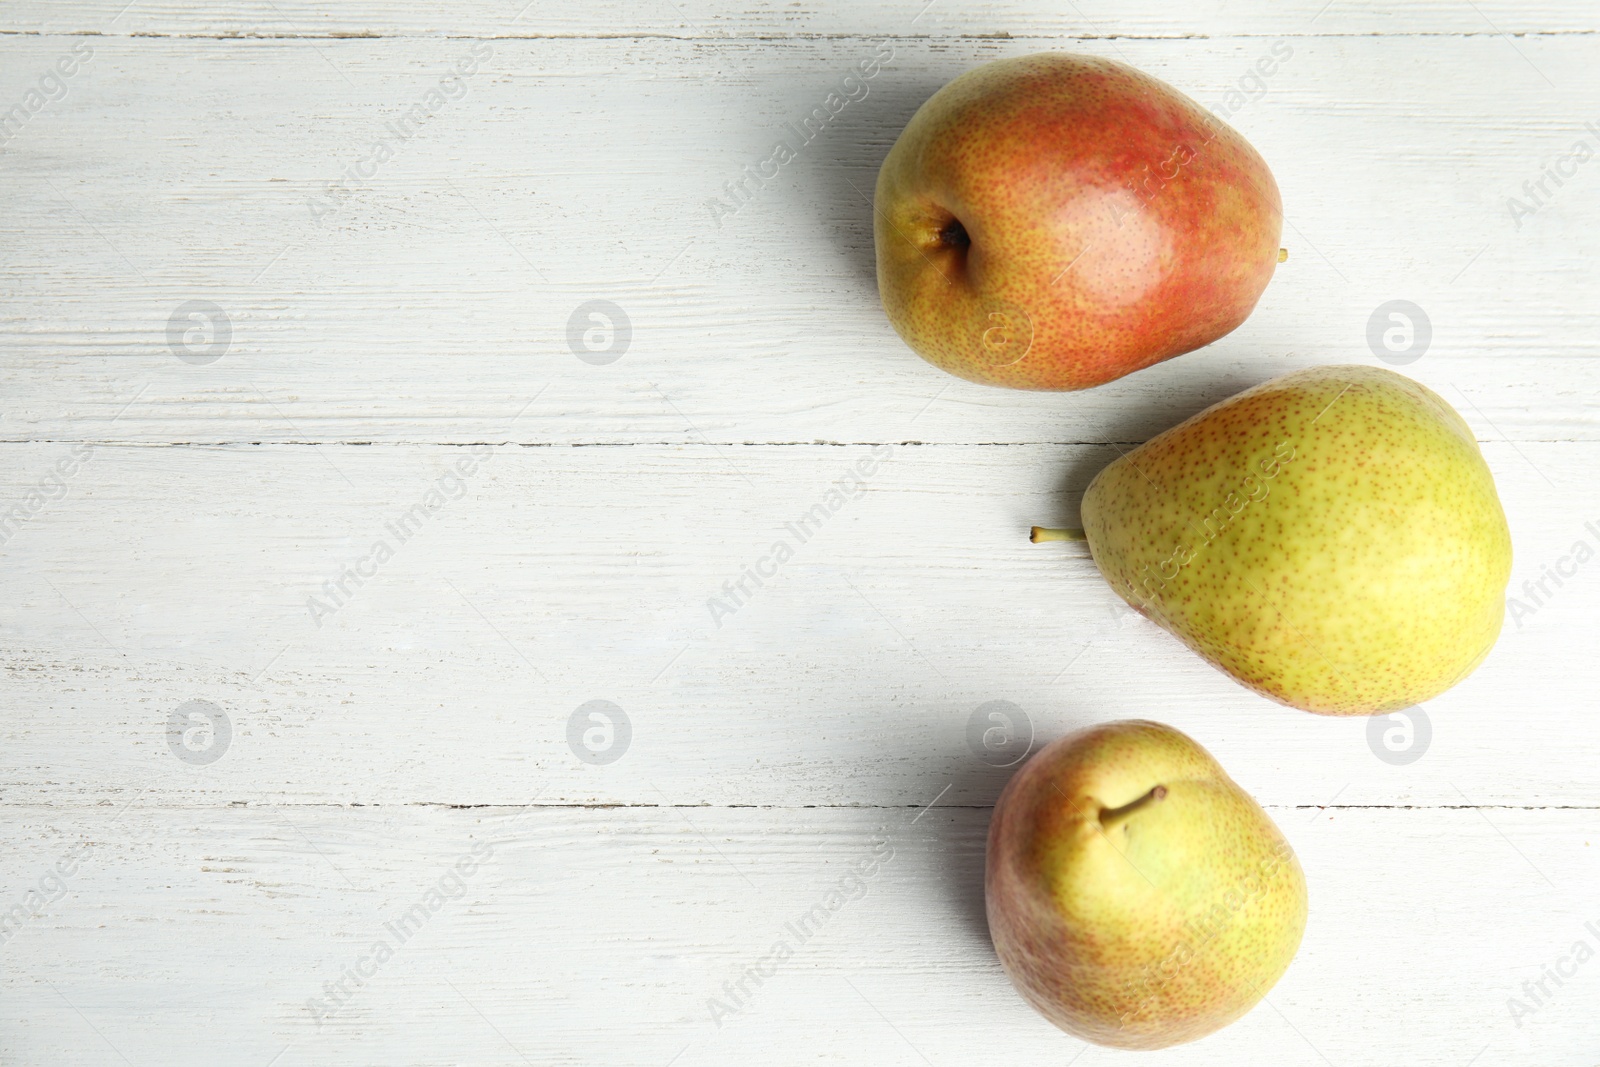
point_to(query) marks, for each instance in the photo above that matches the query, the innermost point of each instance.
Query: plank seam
(657, 444)
(770, 38)
(514, 808)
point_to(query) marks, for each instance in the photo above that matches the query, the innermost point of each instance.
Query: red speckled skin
(1159, 930)
(1113, 223)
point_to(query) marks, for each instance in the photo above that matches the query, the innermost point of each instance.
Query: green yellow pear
(1331, 539)
(1136, 895)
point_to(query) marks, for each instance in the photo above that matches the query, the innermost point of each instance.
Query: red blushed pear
(1137, 897)
(1057, 221)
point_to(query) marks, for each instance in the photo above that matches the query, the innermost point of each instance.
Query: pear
(1137, 896)
(1332, 539)
(1056, 221)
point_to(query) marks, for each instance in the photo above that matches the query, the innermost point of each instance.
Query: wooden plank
(774, 18)
(435, 300)
(548, 578)
(245, 798)
(582, 936)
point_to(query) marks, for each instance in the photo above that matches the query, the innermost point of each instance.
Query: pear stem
(1046, 533)
(1110, 817)
(1283, 255)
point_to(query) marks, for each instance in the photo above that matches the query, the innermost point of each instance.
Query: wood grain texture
(564, 575)
(433, 300)
(776, 18)
(583, 937)
(165, 526)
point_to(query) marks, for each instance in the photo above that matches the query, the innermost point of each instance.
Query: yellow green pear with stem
(1331, 538)
(1136, 895)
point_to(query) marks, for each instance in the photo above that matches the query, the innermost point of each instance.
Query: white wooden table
(226, 784)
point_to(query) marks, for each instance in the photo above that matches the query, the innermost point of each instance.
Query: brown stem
(1045, 533)
(1110, 817)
